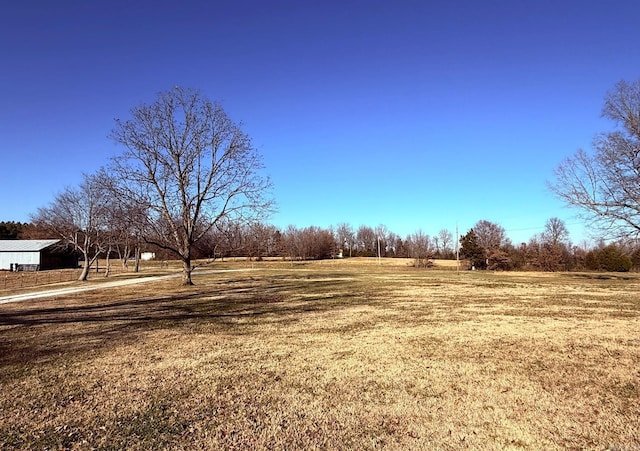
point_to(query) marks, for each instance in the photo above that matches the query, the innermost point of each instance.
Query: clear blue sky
(411, 114)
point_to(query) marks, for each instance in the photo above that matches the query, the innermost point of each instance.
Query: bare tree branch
(605, 185)
(189, 167)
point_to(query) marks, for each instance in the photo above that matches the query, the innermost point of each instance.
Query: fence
(11, 280)
(14, 280)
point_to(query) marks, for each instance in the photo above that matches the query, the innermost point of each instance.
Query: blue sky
(411, 114)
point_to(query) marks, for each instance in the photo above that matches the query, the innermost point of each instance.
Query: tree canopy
(605, 185)
(79, 217)
(188, 167)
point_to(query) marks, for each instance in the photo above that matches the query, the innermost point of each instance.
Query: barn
(34, 255)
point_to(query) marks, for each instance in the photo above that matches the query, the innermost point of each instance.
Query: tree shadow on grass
(602, 276)
(31, 334)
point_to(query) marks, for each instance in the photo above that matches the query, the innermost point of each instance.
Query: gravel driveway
(114, 283)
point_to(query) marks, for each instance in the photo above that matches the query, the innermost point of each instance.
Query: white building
(32, 255)
(146, 256)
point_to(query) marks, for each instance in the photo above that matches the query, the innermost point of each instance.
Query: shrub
(612, 258)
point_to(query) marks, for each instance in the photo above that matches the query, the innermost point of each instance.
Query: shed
(146, 256)
(34, 255)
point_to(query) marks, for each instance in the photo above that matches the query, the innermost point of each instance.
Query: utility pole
(457, 250)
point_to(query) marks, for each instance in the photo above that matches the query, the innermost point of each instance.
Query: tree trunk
(107, 268)
(124, 255)
(186, 271)
(85, 269)
(137, 259)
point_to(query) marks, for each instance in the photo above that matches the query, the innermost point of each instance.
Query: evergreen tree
(471, 250)
(10, 230)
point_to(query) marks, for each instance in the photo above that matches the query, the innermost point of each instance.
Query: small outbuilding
(146, 256)
(35, 255)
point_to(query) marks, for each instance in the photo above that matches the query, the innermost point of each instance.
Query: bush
(611, 258)
(499, 261)
(422, 263)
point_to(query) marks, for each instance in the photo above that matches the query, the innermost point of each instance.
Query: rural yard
(350, 354)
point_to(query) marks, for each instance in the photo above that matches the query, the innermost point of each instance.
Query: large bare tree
(189, 167)
(80, 218)
(605, 185)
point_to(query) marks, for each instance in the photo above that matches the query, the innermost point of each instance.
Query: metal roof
(25, 245)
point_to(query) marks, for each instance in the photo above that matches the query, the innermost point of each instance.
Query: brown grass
(336, 355)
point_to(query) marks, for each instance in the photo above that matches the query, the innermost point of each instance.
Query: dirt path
(115, 283)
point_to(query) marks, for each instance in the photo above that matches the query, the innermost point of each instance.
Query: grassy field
(328, 355)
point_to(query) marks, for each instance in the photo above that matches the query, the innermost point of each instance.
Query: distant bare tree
(126, 228)
(490, 235)
(399, 246)
(33, 231)
(445, 239)
(605, 186)
(394, 246)
(189, 167)
(553, 253)
(293, 243)
(366, 241)
(555, 232)
(80, 217)
(345, 237)
(125, 222)
(259, 240)
(420, 248)
(309, 243)
(382, 240)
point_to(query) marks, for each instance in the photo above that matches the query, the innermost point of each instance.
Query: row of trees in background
(255, 240)
(311, 243)
(484, 246)
(188, 185)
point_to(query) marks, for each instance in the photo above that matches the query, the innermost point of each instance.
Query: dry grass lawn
(329, 355)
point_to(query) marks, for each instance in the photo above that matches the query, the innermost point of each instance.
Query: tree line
(188, 184)
(484, 246)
